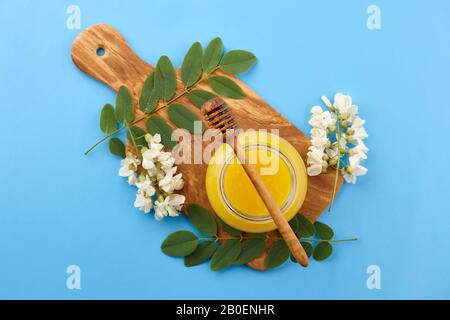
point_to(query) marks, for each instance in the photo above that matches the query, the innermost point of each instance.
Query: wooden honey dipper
(219, 116)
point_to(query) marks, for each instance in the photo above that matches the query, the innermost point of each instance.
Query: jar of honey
(231, 193)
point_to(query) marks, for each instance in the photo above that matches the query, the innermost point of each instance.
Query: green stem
(280, 238)
(133, 141)
(166, 104)
(232, 238)
(102, 140)
(146, 116)
(336, 179)
(115, 132)
(333, 241)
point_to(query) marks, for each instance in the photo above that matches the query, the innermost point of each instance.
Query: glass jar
(233, 197)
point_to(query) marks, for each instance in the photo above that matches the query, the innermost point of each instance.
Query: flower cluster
(154, 175)
(337, 135)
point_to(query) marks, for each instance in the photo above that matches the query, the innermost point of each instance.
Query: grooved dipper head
(218, 115)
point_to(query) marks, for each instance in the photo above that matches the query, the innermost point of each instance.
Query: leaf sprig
(159, 92)
(241, 248)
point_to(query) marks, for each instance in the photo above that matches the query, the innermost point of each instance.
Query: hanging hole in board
(101, 52)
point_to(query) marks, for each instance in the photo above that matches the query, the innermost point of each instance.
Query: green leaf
(229, 229)
(308, 249)
(108, 122)
(237, 61)
(199, 97)
(202, 219)
(182, 117)
(137, 137)
(322, 251)
(226, 87)
(305, 227)
(156, 124)
(225, 255)
(168, 78)
(149, 97)
(191, 68)
(212, 55)
(124, 106)
(294, 224)
(179, 244)
(277, 255)
(251, 249)
(203, 252)
(323, 231)
(117, 147)
(158, 88)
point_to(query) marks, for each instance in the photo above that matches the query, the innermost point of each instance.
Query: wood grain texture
(121, 66)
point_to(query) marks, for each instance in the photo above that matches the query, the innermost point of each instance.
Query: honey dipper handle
(280, 221)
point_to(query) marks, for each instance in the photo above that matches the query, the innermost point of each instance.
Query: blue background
(58, 207)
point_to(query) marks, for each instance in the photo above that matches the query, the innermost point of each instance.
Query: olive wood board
(120, 66)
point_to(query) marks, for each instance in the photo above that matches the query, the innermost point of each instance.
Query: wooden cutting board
(121, 66)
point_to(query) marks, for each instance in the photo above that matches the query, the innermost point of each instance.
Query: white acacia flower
(358, 134)
(353, 170)
(327, 102)
(143, 202)
(319, 138)
(359, 149)
(158, 178)
(321, 119)
(343, 142)
(170, 206)
(145, 186)
(315, 155)
(316, 110)
(320, 142)
(166, 160)
(128, 166)
(362, 145)
(159, 174)
(332, 153)
(150, 155)
(343, 103)
(132, 179)
(357, 122)
(337, 139)
(148, 158)
(171, 182)
(153, 141)
(314, 170)
(327, 119)
(318, 133)
(315, 161)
